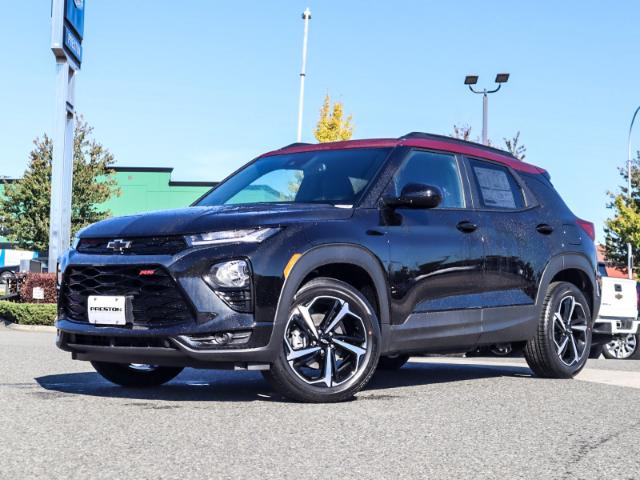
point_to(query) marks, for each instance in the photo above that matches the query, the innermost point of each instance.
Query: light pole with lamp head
(471, 80)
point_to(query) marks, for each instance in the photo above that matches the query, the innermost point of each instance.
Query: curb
(29, 328)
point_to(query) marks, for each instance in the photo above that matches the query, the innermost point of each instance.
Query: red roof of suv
(422, 140)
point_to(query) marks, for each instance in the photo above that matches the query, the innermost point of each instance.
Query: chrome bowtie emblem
(119, 245)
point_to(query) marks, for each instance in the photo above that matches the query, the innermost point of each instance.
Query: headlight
(231, 274)
(249, 235)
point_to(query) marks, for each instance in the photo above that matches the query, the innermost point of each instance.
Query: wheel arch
(576, 269)
(342, 262)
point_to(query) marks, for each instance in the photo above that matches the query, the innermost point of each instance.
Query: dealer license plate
(107, 310)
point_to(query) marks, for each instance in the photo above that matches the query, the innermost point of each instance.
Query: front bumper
(177, 343)
(110, 344)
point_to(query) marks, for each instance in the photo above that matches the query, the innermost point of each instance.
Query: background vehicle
(616, 328)
(317, 263)
(10, 258)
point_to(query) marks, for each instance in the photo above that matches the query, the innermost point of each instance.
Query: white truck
(615, 331)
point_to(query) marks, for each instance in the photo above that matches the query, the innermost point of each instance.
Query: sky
(205, 85)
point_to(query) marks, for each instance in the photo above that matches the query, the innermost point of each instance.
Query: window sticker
(495, 187)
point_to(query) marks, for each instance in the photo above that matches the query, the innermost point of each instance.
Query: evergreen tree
(26, 203)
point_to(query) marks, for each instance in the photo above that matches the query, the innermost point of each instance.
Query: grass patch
(29, 313)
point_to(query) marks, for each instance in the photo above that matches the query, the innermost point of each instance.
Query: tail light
(588, 227)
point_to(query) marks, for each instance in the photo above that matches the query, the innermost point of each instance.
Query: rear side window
(496, 186)
(434, 169)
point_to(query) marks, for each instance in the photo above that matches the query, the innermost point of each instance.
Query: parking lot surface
(436, 418)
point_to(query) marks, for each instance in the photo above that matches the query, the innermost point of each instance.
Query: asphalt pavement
(436, 418)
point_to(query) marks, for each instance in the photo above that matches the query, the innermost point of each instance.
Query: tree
(518, 151)
(462, 132)
(512, 145)
(26, 203)
(624, 225)
(332, 126)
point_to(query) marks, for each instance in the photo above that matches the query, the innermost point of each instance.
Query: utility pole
(629, 196)
(67, 30)
(306, 16)
(471, 80)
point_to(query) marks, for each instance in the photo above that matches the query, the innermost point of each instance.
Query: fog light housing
(231, 274)
(231, 281)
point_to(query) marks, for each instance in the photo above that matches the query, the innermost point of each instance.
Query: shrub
(45, 281)
(28, 313)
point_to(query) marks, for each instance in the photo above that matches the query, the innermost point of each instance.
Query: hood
(209, 219)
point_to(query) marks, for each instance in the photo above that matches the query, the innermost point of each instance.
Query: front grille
(156, 299)
(162, 245)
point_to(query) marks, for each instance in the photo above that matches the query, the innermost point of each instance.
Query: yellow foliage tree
(332, 125)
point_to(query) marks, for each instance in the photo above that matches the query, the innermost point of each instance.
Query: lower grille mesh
(156, 298)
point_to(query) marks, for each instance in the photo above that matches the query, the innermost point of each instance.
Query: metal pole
(62, 163)
(629, 196)
(485, 118)
(306, 16)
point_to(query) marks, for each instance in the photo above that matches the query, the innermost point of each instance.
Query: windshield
(337, 177)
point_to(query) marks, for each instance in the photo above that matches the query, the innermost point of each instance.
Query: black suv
(318, 263)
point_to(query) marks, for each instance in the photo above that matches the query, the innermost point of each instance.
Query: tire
(395, 362)
(596, 351)
(328, 319)
(134, 375)
(562, 343)
(622, 347)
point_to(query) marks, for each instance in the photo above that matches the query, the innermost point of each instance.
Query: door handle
(544, 229)
(466, 226)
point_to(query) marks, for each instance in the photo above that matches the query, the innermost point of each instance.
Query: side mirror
(416, 195)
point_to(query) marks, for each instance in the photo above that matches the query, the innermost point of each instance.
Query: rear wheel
(392, 362)
(622, 347)
(330, 345)
(135, 374)
(563, 340)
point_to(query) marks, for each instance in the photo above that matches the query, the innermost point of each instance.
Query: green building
(144, 189)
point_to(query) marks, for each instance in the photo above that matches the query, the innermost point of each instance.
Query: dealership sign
(68, 29)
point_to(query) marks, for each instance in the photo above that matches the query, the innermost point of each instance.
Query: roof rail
(444, 138)
(295, 144)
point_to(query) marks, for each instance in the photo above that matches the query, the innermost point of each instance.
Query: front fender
(326, 255)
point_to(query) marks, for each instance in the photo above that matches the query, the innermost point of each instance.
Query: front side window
(496, 186)
(433, 169)
(337, 177)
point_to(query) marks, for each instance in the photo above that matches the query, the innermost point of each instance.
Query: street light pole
(471, 80)
(485, 117)
(306, 16)
(629, 196)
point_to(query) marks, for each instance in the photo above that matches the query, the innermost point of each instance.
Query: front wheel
(563, 340)
(622, 347)
(330, 344)
(136, 375)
